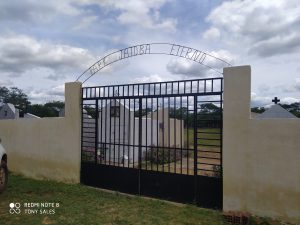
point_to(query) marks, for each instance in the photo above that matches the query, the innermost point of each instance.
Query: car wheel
(3, 176)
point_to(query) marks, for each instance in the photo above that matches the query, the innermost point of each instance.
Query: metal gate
(160, 139)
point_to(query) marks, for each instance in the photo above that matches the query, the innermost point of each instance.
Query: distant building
(31, 116)
(61, 112)
(276, 111)
(117, 123)
(9, 111)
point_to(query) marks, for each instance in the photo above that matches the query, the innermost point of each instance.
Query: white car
(3, 169)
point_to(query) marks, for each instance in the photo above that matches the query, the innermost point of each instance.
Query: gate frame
(140, 98)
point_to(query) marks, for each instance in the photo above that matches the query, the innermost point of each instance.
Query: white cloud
(85, 22)
(276, 45)
(289, 100)
(264, 88)
(55, 77)
(186, 67)
(212, 34)
(57, 90)
(47, 55)
(131, 12)
(266, 27)
(257, 100)
(55, 93)
(297, 84)
(36, 11)
(6, 82)
(220, 54)
(294, 87)
(142, 13)
(20, 53)
(266, 101)
(153, 78)
(210, 66)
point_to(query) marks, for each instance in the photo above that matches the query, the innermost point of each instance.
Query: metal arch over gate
(159, 139)
(189, 53)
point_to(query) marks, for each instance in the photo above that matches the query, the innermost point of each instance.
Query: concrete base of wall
(48, 169)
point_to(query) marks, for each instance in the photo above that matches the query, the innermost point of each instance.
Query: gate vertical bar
(140, 144)
(221, 142)
(221, 129)
(96, 131)
(81, 136)
(195, 152)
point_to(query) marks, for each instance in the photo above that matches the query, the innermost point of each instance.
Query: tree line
(20, 100)
(209, 111)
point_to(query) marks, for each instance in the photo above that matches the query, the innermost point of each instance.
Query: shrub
(217, 171)
(162, 155)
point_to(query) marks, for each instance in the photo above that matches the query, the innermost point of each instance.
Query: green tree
(90, 111)
(293, 108)
(41, 111)
(209, 108)
(144, 112)
(14, 96)
(49, 109)
(55, 104)
(258, 109)
(4, 93)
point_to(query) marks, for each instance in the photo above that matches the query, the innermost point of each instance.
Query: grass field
(84, 205)
(209, 133)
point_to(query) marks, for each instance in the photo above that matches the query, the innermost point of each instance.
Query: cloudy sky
(44, 44)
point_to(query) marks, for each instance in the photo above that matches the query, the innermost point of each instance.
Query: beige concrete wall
(49, 147)
(261, 157)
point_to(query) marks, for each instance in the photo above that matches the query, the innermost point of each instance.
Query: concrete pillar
(236, 114)
(237, 92)
(73, 120)
(72, 100)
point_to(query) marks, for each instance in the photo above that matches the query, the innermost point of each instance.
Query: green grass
(80, 204)
(208, 133)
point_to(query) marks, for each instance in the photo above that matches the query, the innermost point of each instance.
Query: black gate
(159, 139)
